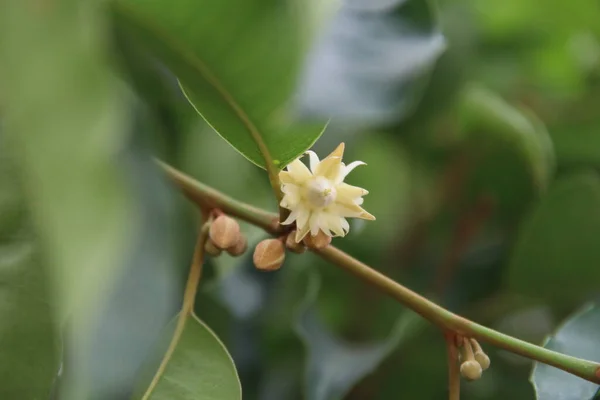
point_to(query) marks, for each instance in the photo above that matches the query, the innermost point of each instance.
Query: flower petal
(298, 171)
(349, 191)
(301, 232)
(332, 222)
(345, 225)
(347, 169)
(291, 218)
(338, 152)
(314, 223)
(286, 178)
(313, 160)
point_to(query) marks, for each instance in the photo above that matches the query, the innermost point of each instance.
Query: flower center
(319, 192)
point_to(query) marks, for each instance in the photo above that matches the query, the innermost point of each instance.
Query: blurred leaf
(577, 337)
(489, 119)
(28, 337)
(335, 366)
(199, 369)
(237, 68)
(372, 63)
(97, 204)
(557, 255)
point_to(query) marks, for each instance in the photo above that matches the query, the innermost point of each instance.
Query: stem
(453, 367)
(205, 196)
(187, 307)
(448, 320)
(437, 315)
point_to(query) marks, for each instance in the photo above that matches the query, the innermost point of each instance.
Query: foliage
(478, 121)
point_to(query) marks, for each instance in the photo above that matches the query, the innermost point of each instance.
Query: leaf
(237, 69)
(334, 366)
(372, 63)
(28, 336)
(487, 117)
(199, 369)
(557, 256)
(97, 205)
(577, 337)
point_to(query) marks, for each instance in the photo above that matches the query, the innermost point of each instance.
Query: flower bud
(239, 247)
(211, 249)
(479, 355)
(290, 243)
(320, 241)
(224, 232)
(471, 370)
(269, 255)
(482, 359)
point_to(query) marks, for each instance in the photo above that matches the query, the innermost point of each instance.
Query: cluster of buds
(224, 234)
(269, 254)
(473, 360)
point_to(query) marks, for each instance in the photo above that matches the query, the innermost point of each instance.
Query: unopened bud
(239, 247)
(269, 255)
(480, 355)
(290, 243)
(482, 359)
(471, 370)
(224, 232)
(320, 241)
(210, 248)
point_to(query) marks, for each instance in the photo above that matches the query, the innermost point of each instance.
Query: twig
(453, 368)
(443, 318)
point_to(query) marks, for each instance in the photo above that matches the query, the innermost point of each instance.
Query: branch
(437, 315)
(453, 368)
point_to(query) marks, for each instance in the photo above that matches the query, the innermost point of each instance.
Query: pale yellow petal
(291, 218)
(286, 178)
(332, 222)
(313, 160)
(314, 223)
(298, 171)
(347, 169)
(366, 215)
(301, 232)
(350, 192)
(338, 152)
(345, 225)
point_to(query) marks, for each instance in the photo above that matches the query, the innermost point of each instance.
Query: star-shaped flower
(318, 198)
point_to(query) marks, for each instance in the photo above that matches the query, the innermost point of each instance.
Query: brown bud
(471, 370)
(224, 232)
(269, 255)
(290, 243)
(211, 249)
(320, 241)
(239, 247)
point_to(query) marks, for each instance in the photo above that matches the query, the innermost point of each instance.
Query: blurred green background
(485, 187)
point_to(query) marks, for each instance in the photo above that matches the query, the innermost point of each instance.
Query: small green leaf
(577, 337)
(199, 369)
(557, 254)
(238, 69)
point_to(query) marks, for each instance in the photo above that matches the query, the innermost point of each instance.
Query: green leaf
(372, 63)
(335, 366)
(577, 337)
(199, 369)
(238, 69)
(97, 206)
(28, 336)
(557, 254)
(489, 119)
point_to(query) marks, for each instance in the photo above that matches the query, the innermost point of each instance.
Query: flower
(318, 198)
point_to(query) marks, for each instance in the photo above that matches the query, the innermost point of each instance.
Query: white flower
(318, 198)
